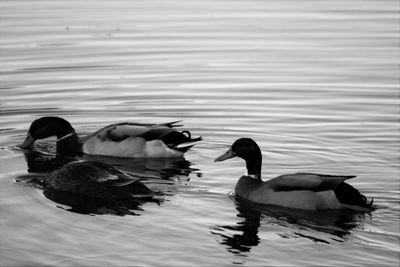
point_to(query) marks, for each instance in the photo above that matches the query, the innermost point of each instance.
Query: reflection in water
(39, 162)
(242, 236)
(318, 226)
(43, 158)
(88, 205)
(152, 171)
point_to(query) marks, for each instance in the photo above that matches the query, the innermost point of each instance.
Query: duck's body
(274, 192)
(93, 187)
(94, 179)
(308, 191)
(130, 140)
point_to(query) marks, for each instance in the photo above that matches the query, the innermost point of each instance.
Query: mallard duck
(94, 179)
(93, 187)
(307, 191)
(130, 140)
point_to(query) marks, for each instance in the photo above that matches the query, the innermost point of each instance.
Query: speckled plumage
(94, 179)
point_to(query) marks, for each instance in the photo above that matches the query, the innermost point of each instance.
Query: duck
(93, 187)
(93, 179)
(126, 140)
(306, 191)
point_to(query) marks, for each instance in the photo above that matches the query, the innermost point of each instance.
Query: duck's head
(247, 149)
(46, 127)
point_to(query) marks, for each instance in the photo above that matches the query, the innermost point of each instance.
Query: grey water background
(315, 83)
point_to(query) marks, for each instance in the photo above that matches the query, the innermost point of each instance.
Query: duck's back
(75, 175)
(94, 179)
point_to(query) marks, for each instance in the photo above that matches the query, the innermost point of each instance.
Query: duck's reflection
(319, 226)
(82, 204)
(242, 236)
(38, 162)
(155, 173)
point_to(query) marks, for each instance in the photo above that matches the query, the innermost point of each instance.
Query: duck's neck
(55, 126)
(67, 139)
(253, 165)
(69, 143)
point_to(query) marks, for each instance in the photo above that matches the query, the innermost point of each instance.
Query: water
(315, 83)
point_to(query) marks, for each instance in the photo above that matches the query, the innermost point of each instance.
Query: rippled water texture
(315, 83)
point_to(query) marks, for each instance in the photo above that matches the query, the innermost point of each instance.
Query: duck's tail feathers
(171, 124)
(183, 147)
(180, 141)
(348, 195)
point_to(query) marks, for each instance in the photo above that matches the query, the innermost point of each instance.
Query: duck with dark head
(67, 139)
(309, 191)
(248, 150)
(128, 140)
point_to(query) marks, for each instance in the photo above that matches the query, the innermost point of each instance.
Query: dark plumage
(94, 179)
(93, 187)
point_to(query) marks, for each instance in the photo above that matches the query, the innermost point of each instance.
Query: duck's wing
(307, 181)
(164, 132)
(119, 179)
(120, 131)
(121, 182)
(108, 174)
(172, 124)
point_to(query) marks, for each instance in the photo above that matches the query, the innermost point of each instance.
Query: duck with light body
(128, 140)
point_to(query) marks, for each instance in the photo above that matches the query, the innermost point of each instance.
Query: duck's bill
(227, 155)
(28, 142)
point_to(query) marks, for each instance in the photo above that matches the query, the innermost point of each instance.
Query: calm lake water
(315, 83)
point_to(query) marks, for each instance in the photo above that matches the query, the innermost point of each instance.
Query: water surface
(315, 83)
